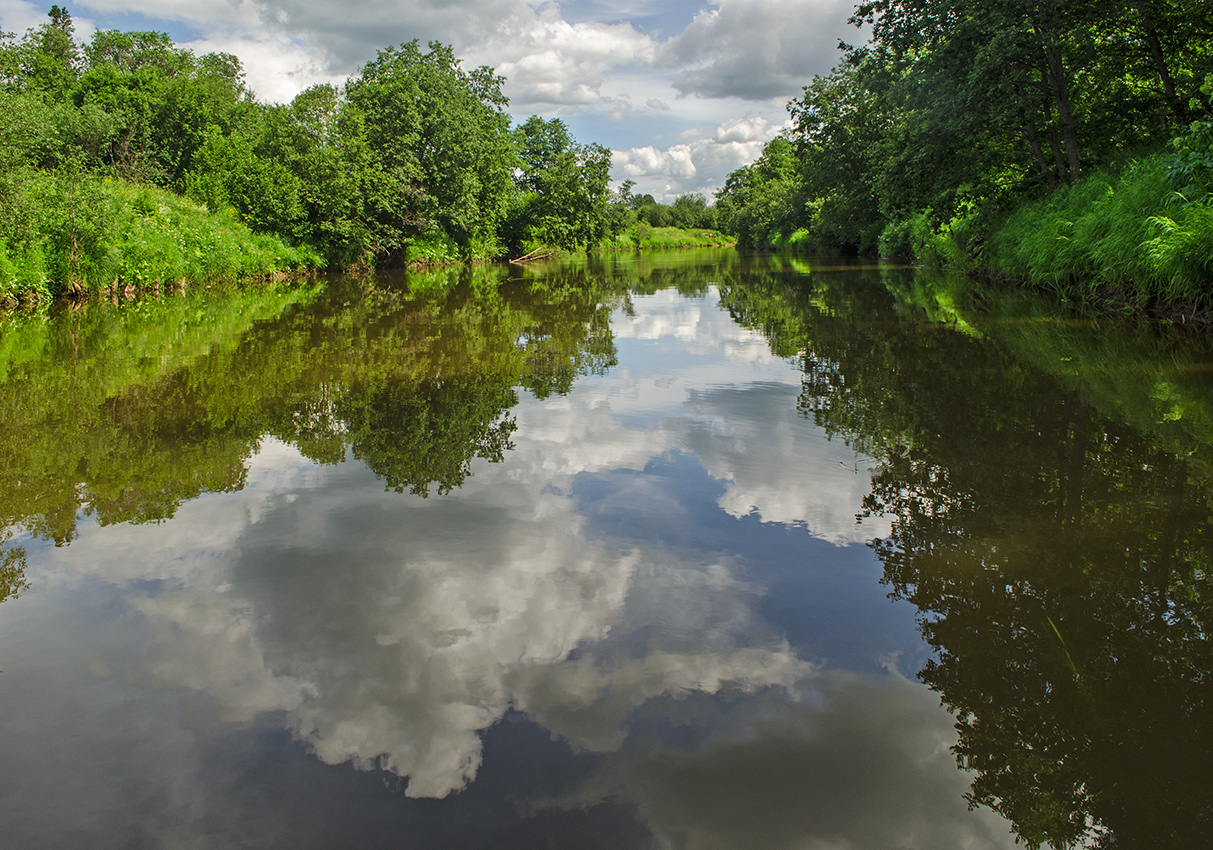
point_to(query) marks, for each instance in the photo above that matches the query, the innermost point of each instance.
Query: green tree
(124, 88)
(758, 201)
(565, 196)
(430, 144)
(692, 211)
(50, 59)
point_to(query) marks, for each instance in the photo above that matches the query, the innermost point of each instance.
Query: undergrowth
(76, 233)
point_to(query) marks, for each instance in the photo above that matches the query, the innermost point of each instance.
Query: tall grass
(1131, 235)
(86, 234)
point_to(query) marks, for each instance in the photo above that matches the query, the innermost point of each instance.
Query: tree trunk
(1032, 137)
(1154, 46)
(1059, 173)
(1061, 90)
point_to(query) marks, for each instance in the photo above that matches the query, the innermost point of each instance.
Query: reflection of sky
(665, 574)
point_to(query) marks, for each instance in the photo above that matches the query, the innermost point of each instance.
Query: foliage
(1057, 555)
(431, 146)
(411, 161)
(757, 201)
(563, 199)
(84, 233)
(1131, 233)
(956, 113)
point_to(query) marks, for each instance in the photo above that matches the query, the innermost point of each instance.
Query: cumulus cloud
(351, 33)
(550, 63)
(757, 49)
(277, 66)
(699, 164)
(748, 128)
(16, 16)
(591, 59)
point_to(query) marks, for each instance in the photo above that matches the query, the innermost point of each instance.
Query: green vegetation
(1066, 143)
(1134, 234)
(94, 235)
(93, 141)
(1057, 556)
(643, 236)
(411, 162)
(125, 412)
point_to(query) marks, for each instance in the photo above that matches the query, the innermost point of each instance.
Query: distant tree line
(958, 111)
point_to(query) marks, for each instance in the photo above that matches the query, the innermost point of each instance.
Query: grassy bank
(86, 234)
(1135, 237)
(1140, 236)
(643, 236)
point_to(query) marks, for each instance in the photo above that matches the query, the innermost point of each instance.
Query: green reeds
(1131, 235)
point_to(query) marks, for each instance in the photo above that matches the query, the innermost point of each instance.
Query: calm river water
(685, 550)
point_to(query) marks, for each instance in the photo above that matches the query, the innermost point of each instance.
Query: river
(690, 550)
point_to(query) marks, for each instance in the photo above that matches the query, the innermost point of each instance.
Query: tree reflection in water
(1058, 557)
(1059, 561)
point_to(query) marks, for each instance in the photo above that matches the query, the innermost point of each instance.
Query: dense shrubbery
(924, 143)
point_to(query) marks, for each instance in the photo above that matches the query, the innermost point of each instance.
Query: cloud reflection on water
(391, 631)
(842, 761)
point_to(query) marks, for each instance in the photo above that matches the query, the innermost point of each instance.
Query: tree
(50, 58)
(565, 197)
(692, 211)
(758, 201)
(430, 144)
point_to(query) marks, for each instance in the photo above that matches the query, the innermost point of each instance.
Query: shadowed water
(678, 550)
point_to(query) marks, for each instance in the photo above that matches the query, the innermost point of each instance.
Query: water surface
(677, 550)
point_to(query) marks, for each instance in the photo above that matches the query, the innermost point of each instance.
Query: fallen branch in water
(535, 255)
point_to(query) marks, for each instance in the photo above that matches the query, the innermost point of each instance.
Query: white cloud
(277, 67)
(16, 16)
(698, 165)
(676, 162)
(748, 128)
(551, 64)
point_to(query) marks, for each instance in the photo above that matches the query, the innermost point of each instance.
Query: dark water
(676, 551)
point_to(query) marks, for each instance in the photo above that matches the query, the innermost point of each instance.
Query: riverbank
(644, 237)
(1137, 238)
(93, 236)
(82, 235)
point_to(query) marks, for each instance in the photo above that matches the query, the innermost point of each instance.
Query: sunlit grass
(93, 235)
(1131, 235)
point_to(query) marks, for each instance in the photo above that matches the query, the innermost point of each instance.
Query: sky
(683, 92)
